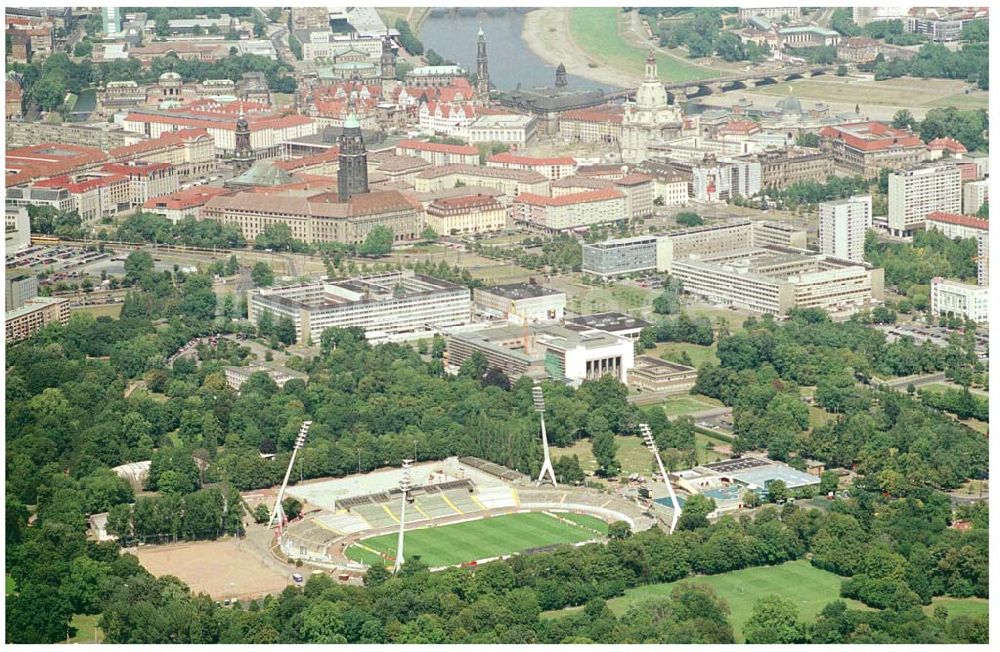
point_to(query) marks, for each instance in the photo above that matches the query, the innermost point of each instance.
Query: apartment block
(465, 215)
(952, 298)
(20, 289)
(34, 315)
(394, 302)
(974, 195)
(956, 226)
(916, 192)
(575, 211)
(843, 225)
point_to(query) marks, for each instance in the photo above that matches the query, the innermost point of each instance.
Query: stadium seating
(375, 515)
(344, 522)
(435, 506)
(497, 497)
(463, 501)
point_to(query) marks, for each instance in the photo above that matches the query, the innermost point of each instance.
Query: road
(917, 381)
(824, 16)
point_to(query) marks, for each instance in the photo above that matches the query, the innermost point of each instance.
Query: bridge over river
(699, 87)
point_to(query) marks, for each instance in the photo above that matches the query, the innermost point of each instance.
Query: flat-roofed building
(394, 302)
(867, 147)
(778, 234)
(467, 214)
(705, 240)
(773, 280)
(916, 192)
(842, 227)
(34, 315)
(615, 323)
(653, 374)
(236, 376)
(520, 302)
(574, 211)
(20, 288)
(17, 228)
(974, 195)
(550, 351)
(953, 298)
(621, 256)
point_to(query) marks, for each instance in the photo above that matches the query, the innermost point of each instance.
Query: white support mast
(278, 513)
(539, 399)
(647, 436)
(404, 484)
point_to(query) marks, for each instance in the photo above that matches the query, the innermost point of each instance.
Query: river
(453, 35)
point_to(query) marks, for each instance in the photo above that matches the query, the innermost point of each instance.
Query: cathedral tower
(482, 69)
(560, 75)
(352, 177)
(388, 65)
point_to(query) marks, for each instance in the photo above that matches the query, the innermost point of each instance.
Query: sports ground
(485, 538)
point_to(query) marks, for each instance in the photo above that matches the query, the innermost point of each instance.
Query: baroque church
(650, 117)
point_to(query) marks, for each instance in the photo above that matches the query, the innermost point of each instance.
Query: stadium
(460, 511)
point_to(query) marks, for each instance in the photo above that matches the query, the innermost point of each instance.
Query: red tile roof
(506, 158)
(871, 136)
(141, 168)
(332, 154)
(740, 127)
(48, 160)
(596, 114)
(959, 220)
(166, 139)
(568, 200)
(422, 146)
(183, 199)
(949, 144)
(77, 187)
(467, 201)
(256, 123)
(633, 179)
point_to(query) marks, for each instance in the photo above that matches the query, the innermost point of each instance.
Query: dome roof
(352, 122)
(170, 76)
(789, 105)
(265, 174)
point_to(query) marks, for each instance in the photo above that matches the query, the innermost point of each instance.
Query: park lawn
(698, 354)
(819, 417)
(734, 318)
(113, 310)
(632, 454)
(941, 387)
(597, 31)
(963, 102)
(892, 92)
(9, 585)
(684, 404)
(808, 587)
(489, 537)
(960, 606)
(976, 424)
(85, 626)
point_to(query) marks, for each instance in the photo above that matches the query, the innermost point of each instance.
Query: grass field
(112, 310)
(960, 606)
(809, 588)
(941, 387)
(9, 585)
(683, 404)
(891, 92)
(632, 454)
(699, 355)
(598, 32)
(489, 537)
(86, 628)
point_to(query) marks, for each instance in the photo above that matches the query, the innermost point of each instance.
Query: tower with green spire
(352, 177)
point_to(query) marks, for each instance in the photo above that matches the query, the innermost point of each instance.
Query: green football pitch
(449, 545)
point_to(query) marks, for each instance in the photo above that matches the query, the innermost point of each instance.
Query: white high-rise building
(974, 195)
(983, 258)
(842, 227)
(650, 117)
(918, 191)
(949, 297)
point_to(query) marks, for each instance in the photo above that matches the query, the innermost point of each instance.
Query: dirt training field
(219, 568)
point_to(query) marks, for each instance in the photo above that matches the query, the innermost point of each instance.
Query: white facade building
(916, 192)
(950, 297)
(842, 227)
(515, 130)
(645, 119)
(974, 195)
(520, 302)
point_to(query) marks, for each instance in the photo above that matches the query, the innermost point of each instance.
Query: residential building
(945, 146)
(147, 180)
(510, 182)
(773, 280)
(652, 374)
(450, 119)
(944, 24)
(466, 215)
(183, 203)
(595, 125)
(842, 227)
(983, 258)
(916, 192)
(20, 289)
(439, 153)
(17, 228)
(781, 168)
(101, 137)
(777, 234)
(956, 226)
(93, 194)
(952, 298)
(34, 315)
(576, 211)
(540, 352)
(520, 303)
(638, 190)
(974, 195)
(718, 180)
(13, 93)
(389, 303)
(552, 168)
(514, 130)
(866, 148)
(670, 185)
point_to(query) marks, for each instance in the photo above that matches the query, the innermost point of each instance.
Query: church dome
(789, 105)
(352, 122)
(170, 77)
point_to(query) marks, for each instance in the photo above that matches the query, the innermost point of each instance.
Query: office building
(983, 258)
(774, 280)
(777, 234)
(17, 228)
(380, 304)
(514, 130)
(866, 148)
(568, 212)
(614, 323)
(541, 352)
(652, 374)
(621, 256)
(601, 124)
(20, 288)
(952, 298)
(236, 376)
(916, 192)
(974, 195)
(843, 225)
(34, 315)
(466, 215)
(520, 302)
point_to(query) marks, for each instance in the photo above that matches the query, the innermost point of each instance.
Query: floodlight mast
(404, 484)
(278, 513)
(539, 400)
(647, 436)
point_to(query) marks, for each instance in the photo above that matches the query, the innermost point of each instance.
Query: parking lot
(937, 334)
(58, 258)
